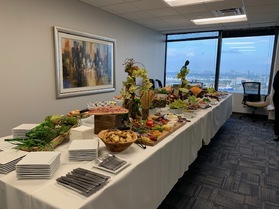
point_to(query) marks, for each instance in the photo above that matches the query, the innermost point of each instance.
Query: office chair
(252, 97)
(153, 83)
(160, 85)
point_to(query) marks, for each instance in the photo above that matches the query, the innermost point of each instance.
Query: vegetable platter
(47, 135)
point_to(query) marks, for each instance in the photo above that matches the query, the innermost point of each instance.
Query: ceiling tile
(265, 9)
(150, 4)
(121, 8)
(137, 15)
(259, 2)
(159, 16)
(101, 3)
(197, 15)
(228, 4)
(162, 12)
(180, 24)
(191, 9)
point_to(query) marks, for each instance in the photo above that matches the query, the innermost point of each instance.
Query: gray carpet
(239, 169)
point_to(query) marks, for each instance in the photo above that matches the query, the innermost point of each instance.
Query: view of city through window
(242, 59)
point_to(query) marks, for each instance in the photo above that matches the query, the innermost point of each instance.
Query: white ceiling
(157, 15)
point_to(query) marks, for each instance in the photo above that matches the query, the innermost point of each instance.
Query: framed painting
(84, 63)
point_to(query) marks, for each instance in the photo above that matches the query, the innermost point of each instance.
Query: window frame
(191, 39)
(230, 34)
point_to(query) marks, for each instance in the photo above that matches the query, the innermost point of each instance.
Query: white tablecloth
(143, 184)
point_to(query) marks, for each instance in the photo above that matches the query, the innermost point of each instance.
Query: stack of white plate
(83, 150)
(21, 130)
(8, 160)
(38, 165)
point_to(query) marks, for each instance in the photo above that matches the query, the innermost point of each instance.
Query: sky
(239, 55)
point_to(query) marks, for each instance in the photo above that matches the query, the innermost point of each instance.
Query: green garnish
(42, 135)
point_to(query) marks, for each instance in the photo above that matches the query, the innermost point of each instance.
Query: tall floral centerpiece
(131, 92)
(183, 86)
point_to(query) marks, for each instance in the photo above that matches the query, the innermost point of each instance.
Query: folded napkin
(81, 132)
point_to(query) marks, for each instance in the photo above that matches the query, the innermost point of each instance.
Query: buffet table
(143, 184)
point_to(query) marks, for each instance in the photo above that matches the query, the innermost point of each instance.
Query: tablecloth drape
(143, 184)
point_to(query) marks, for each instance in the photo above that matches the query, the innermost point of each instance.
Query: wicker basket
(116, 146)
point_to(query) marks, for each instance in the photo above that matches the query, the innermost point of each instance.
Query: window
(245, 59)
(200, 52)
(244, 55)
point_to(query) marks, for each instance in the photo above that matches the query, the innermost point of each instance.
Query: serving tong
(141, 145)
(83, 181)
(111, 162)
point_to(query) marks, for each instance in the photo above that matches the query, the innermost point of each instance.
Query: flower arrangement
(131, 100)
(183, 86)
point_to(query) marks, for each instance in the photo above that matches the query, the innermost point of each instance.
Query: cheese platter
(150, 141)
(155, 129)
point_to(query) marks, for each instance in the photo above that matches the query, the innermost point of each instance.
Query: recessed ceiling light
(176, 3)
(216, 20)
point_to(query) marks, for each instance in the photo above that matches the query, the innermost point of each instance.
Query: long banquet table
(143, 184)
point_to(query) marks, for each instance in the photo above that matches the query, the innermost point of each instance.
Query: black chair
(153, 83)
(160, 85)
(252, 97)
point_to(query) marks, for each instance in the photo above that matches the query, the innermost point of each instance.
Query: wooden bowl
(117, 145)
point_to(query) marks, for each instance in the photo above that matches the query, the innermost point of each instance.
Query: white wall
(27, 60)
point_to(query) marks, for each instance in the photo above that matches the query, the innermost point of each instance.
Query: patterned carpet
(239, 169)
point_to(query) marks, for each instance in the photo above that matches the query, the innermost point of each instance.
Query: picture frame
(84, 63)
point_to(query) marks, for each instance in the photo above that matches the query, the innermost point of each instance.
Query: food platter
(162, 136)
(104, 110)
(109, 113)
(108, 110)
(155, 129)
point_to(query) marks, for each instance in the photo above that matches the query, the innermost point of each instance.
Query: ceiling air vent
(229, 12)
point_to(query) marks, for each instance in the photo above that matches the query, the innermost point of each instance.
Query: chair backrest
(153, 83)
(160, 85)
(252, 91)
